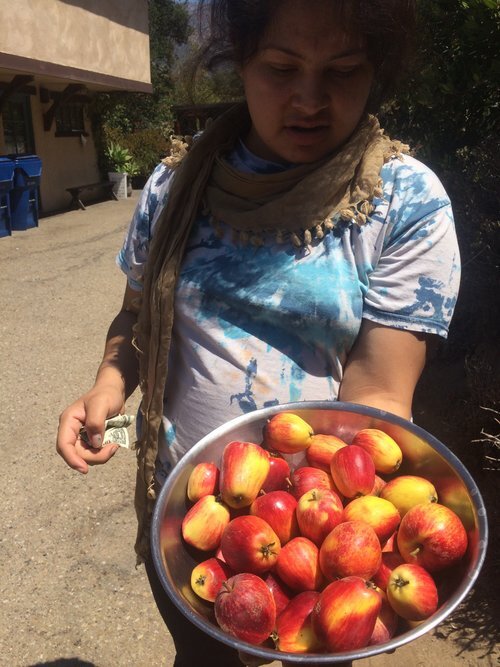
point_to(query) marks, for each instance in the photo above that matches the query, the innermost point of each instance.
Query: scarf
(297, 205)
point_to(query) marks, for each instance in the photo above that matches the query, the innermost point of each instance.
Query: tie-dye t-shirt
(255, 327)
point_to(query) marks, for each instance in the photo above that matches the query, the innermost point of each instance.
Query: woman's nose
(310, 94)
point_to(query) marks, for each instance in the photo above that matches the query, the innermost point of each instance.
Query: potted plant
(132, 170)
(121, 162)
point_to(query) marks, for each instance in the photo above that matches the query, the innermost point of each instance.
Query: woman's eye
(281, 69)
(344, 73)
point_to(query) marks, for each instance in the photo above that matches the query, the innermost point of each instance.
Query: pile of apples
(334, 555)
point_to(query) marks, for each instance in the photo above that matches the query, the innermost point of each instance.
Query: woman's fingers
(90, 411)
(70, 423)
(93, 456)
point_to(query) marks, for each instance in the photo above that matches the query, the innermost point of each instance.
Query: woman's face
(307, 85)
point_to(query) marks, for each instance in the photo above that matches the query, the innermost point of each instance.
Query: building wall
(66, 161)
(102, 44)
(108, 37)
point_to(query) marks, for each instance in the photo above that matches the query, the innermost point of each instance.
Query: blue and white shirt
(255, 327)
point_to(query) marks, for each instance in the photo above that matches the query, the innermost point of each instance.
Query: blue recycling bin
(24, 194)
(6, 184)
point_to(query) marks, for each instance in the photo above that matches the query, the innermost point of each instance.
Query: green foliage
(168, 25)
(118, 116)
(147, 146)
(119, 158)
(194, 84)
(452, 98)
(449, 112)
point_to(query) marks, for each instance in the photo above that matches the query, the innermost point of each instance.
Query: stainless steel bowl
(422, 455)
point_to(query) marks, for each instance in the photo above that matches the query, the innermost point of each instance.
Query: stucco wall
(105, 36)
(66, 161)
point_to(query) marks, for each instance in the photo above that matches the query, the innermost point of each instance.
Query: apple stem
(416, 551)
(274, 636)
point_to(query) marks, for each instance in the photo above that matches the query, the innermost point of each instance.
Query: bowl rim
(318, 658)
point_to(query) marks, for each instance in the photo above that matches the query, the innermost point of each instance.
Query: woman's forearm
(120, 366)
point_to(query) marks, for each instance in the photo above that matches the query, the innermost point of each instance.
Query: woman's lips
(306, 134)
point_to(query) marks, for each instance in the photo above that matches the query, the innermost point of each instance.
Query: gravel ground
(70, 592)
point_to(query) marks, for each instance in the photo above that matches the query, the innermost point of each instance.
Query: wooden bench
(76, 191)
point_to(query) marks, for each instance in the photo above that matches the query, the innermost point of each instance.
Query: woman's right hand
(90, 411)
(116, 379)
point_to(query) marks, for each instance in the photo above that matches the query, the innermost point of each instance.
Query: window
(69, 119)
(17, 127)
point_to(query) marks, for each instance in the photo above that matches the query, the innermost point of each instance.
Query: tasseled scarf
(296, 205)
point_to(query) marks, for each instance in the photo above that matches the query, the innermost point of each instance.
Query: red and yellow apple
(294, 633)
(287, 433)
(412, 592)
(298, 565)
(318, 512)
(405, 491)
(353, 471)
(321, 449)
(243, 470)
(306, 478)
(345, 614)
(245, 608)
(278, 508)
(208, 576)
(386, 623)
(380, 514)
(249, 544)
(390, 560)
(204, 523)
(351, 549)
(203, 481)
(433, 536)
(383, 449)
(278, 477)
(282, 594)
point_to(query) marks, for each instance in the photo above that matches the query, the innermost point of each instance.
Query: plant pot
(120, 184)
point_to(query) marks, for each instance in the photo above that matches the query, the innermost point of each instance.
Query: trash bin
(24, 195)
(6, 183)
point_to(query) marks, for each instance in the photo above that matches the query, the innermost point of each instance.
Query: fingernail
(96, 441)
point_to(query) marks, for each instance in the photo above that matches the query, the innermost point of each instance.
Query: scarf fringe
(358, 214)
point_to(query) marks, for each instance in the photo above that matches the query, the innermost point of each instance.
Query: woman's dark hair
(237, 26)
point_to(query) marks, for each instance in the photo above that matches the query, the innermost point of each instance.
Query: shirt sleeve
(134, 253)
(416, 263)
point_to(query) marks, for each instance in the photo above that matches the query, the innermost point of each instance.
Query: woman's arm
(116, 379)
(383, 368)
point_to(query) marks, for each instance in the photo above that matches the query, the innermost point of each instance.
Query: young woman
(296, 253)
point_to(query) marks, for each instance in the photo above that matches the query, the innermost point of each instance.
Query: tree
(452, 98)
(449, 112)
(137, 121)
(195, 84)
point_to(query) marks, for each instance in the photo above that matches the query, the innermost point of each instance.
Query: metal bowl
(423, 455)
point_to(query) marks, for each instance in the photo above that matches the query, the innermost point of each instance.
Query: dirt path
(69, 590)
